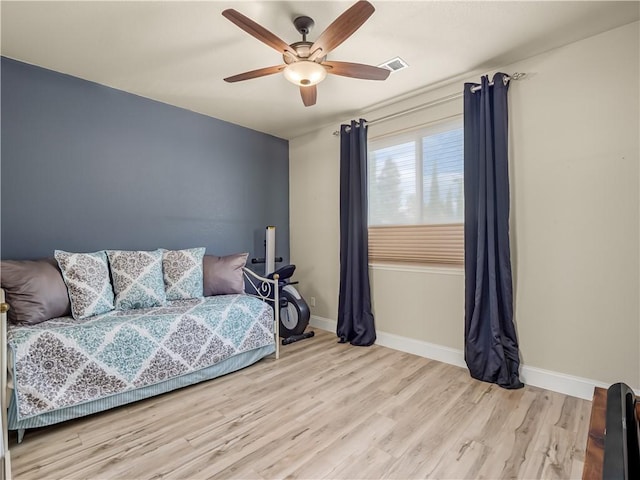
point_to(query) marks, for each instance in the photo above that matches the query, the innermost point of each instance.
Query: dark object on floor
(297, 338)
(621, 449)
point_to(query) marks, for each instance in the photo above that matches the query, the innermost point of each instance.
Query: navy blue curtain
(355, 319)
(491, 345)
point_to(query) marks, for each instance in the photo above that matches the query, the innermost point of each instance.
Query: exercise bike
(294, 311)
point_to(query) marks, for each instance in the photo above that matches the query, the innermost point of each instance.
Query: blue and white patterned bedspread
(64, 362)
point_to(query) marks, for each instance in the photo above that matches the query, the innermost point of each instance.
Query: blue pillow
(182, 270)
(137, 279)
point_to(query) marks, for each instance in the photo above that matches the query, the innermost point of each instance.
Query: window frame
(417, 243)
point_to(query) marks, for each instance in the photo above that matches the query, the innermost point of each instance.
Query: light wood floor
(324, 410)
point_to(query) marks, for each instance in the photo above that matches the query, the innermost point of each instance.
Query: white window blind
(416, 196)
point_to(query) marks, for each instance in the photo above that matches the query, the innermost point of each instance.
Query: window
(416, 196)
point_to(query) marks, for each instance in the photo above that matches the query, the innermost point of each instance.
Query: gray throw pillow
(35, 290)
(223, 275)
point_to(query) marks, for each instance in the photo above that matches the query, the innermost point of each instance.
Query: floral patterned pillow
(87, 278)
(182, 270)
(137, 279)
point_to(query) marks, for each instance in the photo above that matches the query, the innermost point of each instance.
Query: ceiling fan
(305, 63)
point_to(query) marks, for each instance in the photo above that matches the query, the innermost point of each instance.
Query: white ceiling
(179, 52)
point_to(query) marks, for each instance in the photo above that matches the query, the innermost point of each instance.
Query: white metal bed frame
(5, 470)
(268, 291)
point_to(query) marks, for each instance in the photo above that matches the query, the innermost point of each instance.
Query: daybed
(77, 364)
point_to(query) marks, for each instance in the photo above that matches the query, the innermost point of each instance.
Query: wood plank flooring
(324, 410)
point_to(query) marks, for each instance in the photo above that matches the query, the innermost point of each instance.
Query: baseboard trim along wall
(537, 377)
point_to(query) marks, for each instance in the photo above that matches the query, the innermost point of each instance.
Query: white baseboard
(323, 323)
(538, 377)
(424, 349)
(560, 382)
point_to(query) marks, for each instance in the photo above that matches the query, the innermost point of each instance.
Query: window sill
(431, 269)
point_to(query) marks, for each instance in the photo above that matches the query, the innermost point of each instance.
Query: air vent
(395, 64)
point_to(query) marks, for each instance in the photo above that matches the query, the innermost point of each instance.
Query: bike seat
(284, 272)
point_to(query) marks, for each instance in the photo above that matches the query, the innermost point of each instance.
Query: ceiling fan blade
(309, 95)
(341, 29)
(258, 31)
(356, 70)
(261, 72)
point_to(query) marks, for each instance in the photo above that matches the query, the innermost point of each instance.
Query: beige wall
(575, 216)
(314, 209)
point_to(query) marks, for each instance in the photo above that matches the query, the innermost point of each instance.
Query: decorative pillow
(223, 275)
(87, 279)
(34, 290)
(182, 270)
(137, 278)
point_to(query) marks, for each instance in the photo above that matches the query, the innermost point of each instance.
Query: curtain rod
(506, 79)
(438, 101)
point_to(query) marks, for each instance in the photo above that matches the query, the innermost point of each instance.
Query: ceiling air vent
(395, 64)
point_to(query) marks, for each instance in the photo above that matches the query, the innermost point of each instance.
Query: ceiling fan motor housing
(303, 50)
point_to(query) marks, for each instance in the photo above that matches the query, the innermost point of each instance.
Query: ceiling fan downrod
(303, 25)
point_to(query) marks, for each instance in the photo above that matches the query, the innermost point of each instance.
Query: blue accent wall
(86, 167)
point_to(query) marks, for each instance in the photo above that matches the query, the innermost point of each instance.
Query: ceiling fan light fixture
(305, 73)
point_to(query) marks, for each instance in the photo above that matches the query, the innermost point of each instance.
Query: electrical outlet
(312, 301)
